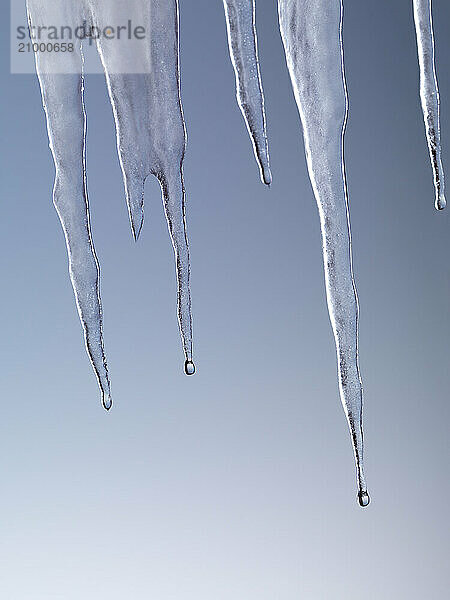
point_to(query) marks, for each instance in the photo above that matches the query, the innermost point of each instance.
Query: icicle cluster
(151, 139)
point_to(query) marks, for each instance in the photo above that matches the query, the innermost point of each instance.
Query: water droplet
(441, 202)
(429, 92)
(363, 499)
(189, 367)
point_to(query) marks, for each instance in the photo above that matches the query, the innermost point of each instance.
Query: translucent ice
(242, 42)
(312, 37)
(429, 93)
(150, 134)
(62, 87)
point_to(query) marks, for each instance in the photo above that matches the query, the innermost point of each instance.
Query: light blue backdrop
(237, 483)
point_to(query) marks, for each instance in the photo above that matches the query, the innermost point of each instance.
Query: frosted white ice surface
(312, 36)
(429, 93)
(243, 46)
(151, 140)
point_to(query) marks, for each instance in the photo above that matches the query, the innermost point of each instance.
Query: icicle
(150, 127)
(312, 37)
(62, 87)
(429, 93)
(242, 42)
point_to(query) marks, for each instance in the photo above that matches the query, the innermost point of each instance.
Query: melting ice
(145, 96)
(144, 89)
(243, 45)
(429, 93)
(312, 36)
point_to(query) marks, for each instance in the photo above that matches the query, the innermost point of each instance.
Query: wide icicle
(243, 46)
(62, 86)
(151, 134)
(429, 93)
(312, 35)
(144, 86)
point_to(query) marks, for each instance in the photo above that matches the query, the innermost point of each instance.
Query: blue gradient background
(238, 482)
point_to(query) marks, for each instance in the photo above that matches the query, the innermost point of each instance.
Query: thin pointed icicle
(150, 126)
(62, 88)
(242, 42)
(429, 93)
(312, 37)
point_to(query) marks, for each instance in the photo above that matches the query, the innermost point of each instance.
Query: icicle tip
(136, 227)
(107, 401)
(363, 499)
(266, 175)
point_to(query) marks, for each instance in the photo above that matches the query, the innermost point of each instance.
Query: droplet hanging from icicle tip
(429, 93)
(151, 139)
(312, 36)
